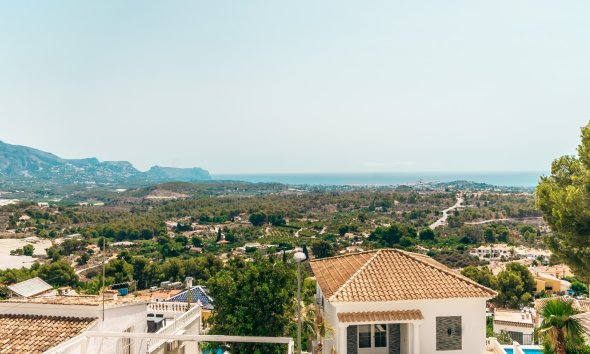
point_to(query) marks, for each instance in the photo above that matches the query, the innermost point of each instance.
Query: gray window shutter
(352, 340)
(448, 333)
(394, 338)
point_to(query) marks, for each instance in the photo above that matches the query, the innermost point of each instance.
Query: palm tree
(561, 325)
(316, 326)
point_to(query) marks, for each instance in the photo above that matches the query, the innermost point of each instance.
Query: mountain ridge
(27, 164)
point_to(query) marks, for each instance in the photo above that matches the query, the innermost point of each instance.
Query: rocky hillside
(27, 165)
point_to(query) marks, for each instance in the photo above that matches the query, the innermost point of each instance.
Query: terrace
(180, 331)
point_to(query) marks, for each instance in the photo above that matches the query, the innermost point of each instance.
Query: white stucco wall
(472, 312)
(510, 328)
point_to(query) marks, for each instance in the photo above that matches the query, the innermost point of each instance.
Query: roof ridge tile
(353, 276)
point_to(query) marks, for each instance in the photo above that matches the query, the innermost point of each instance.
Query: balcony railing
(79, 344)
(169, 306)
(179, 323)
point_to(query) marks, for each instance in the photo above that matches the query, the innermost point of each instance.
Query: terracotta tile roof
(380, 316)
(580, 305)
(87, 300)
(584, 305)
(391, 275)
(36, 334)
(515, 324)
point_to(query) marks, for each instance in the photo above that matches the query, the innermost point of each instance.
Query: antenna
(189, 298)
(104, 262)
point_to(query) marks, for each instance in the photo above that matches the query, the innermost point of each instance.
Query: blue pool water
(527, 351)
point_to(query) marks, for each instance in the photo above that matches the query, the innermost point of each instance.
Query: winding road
(443, 219)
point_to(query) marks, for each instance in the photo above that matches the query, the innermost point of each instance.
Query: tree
(257, 219)
(579, 288)
(481, 275)
(102, 240)
(515, 286)
(53, 252)
(4, 292)
(277, 220)
(197, 242)
(343, 229)
(427, 234)
(407, 241)
(58, 274)
(219, 236)
(28, 250)
(119, 271)
(322, 249)
(305, 252)
(253, 299)
(316, 326)
(563, 329)
(83, 259)
(564, 199)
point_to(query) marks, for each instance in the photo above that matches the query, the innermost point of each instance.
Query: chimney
(189, 282)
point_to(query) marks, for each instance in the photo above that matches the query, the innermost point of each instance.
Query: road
(79, 271)
(443, 219)
(521, 220)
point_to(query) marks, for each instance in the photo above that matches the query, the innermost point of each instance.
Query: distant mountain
(23, 164)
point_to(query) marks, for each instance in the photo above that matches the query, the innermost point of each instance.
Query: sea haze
(512, 179)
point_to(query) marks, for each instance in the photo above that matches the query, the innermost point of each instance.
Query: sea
(505, 179)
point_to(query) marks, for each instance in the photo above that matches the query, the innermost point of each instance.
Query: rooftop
(198, 294)
(36, 334)
(85, 300)
(391, 275)
(380, 316)
(514, 317)
(580, 305)
(30, 287)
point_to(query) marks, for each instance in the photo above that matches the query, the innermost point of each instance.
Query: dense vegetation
(564, 198)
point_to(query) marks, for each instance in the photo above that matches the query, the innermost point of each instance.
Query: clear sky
(298, 86)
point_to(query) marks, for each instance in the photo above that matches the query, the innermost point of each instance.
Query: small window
(364, 336)
(380, 336)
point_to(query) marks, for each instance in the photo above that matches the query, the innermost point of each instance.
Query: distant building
(519, 324)
(550, 284)
(29, 288)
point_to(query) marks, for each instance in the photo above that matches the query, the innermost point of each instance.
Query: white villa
(519, 324)
(78, 324)
(504, 251)
(38, 321)
(396, 302)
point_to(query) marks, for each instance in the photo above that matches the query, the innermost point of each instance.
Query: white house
(519, 324)
(396, 302)
(80, 324)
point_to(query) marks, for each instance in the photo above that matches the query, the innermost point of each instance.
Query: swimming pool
(526, 351)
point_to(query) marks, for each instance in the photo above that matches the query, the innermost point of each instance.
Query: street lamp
(299, 257)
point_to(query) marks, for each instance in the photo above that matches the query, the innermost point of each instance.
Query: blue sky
(299, 86)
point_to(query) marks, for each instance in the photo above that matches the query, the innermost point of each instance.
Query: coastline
(525, 179)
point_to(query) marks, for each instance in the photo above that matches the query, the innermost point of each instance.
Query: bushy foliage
(515, 285)
(253, 299)
(564, 198)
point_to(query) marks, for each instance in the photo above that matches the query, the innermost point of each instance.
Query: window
(364, 336)
(448, 333)
(380, 336)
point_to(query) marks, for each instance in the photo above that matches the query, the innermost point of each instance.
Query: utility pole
(299, 257)
(104, 264)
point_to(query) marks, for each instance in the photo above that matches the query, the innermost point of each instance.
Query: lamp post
(299, 257)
